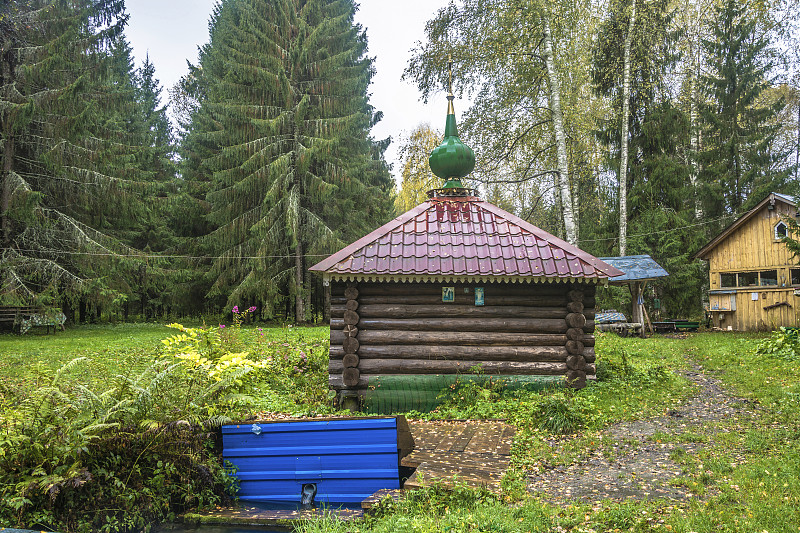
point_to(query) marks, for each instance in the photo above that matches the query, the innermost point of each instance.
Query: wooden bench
(21, 318)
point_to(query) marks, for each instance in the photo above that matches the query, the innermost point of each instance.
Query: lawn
(745, 478)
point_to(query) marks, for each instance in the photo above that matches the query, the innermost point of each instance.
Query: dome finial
(451, 160)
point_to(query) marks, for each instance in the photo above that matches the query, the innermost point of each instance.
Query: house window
(748, 279)
(769, 278)
(780, 230)
(795, 276)
(729, 280)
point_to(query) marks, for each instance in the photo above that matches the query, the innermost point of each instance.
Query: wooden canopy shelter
(637, 270)
(457, 286)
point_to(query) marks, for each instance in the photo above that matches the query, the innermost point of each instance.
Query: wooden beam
(415, 366)
(462, 338)
(508, 325)
(458, 353)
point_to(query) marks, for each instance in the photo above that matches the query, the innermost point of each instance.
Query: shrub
(784, 342)
(562, 412)
(75, 460)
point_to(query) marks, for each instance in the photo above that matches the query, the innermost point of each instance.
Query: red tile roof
(463, 237)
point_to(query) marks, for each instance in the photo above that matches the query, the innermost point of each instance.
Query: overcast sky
(171, 31)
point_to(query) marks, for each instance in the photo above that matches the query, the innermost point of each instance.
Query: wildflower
(221, 326)
(235, 309)
(252, 309)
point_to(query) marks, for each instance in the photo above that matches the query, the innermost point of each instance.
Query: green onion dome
(452, 159)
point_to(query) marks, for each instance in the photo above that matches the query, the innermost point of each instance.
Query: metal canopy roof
(463, 238)
(635, 268)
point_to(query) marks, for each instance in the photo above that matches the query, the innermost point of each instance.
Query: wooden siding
(753, 248)
(380, 329)
(750, 314)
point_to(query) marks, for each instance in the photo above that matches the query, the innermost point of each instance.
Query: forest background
(624, 126)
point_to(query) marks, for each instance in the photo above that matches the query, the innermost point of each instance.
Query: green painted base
(399, 394)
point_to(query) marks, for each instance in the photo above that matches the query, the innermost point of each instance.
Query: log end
(350, 377)
(576, 379)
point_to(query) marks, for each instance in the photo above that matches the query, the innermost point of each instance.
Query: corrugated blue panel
(635, 267)
(348, 460)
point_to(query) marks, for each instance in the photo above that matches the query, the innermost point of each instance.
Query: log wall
(380, 329)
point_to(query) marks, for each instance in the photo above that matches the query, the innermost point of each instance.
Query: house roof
(770, 199)
(463, 239)
(635, 268)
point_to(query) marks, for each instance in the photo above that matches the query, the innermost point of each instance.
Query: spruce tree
(281, 140)
(53, 65)
(75, 180)
(738, 166)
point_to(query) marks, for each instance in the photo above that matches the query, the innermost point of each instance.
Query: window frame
(785, 230)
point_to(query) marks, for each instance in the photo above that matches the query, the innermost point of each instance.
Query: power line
(164, 256)
(666, 230)
(174, 256)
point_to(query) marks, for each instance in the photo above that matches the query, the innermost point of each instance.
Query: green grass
(747, 475)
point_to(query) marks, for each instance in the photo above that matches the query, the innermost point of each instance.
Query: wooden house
(754, 281)
(456, 286)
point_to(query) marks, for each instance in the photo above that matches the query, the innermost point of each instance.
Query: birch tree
(507, 55)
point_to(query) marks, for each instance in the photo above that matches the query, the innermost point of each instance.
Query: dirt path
(637, 465)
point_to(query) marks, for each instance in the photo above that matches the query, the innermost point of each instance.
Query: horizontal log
(589, 355)
(573, 334)
(414, 366)
(337, 289)
(591, 369)
(576, 379)
(575, 307)
(588, 313)
(575, 347)
(350, 376)
(350, 360)
(350, 344)
(576, 320)
(380, 289)
(445, 310)
(461, 298)
(588, 340)
(508, 325)
(351, 293)
(576, 295)
(576, 362)
(458, 353)
(335, 381)
(461, 338)
(589, 326)
(464, 299)
(351, 318)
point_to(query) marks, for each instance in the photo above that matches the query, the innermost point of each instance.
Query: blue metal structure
(635, 267)
(347, 460)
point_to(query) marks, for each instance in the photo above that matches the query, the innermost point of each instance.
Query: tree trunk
(299, 304)
(8, 158)
(694, 134)
(623, 157)
(8, 164)
(564, 190)
(308, 287)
